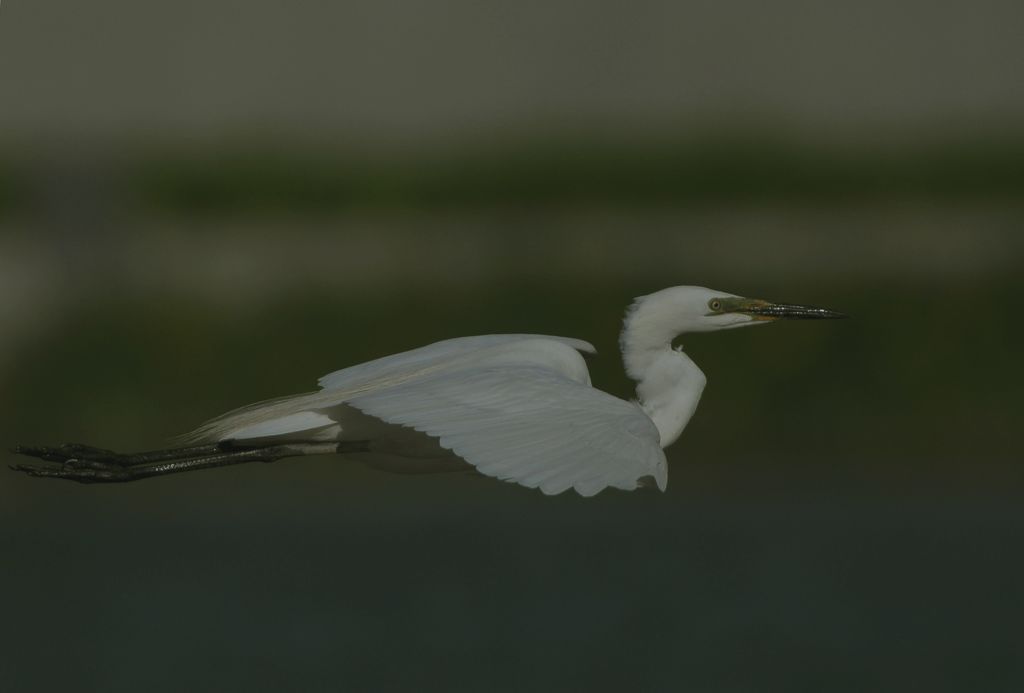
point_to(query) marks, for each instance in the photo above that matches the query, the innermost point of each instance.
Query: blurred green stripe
(264, 178)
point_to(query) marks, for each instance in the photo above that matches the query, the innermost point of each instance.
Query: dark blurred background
(204, 204)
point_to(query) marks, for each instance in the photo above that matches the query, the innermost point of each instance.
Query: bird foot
(77, 462)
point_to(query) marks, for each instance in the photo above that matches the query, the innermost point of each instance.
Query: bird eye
(715, 304)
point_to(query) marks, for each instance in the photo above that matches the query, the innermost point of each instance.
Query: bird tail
(266, 419)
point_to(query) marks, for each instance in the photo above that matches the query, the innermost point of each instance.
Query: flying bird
(517, 407)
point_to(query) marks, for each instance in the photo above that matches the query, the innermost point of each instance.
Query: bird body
(294, 414)
(518, 407)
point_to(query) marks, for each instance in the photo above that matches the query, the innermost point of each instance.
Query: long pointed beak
(764, 310)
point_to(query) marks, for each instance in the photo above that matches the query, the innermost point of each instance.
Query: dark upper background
(207, 203)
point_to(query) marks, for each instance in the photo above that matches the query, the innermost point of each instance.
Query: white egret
(517, 407)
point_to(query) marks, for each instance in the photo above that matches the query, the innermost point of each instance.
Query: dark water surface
(749, 577)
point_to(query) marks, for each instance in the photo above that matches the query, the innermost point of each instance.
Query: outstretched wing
(301, 415)
(528, 424)
(516, 407)
(448, 351)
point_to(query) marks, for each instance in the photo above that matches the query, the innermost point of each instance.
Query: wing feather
(438, 354)
(517, 407)
(527, 424)
(289, 415)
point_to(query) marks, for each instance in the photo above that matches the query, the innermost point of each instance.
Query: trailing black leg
(86, 464)
(76, 452)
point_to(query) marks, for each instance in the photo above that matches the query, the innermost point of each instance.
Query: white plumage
(516, 407)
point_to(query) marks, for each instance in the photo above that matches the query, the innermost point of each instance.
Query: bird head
(686, 309)
(724, 311)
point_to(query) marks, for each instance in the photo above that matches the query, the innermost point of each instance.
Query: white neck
(669, 383)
